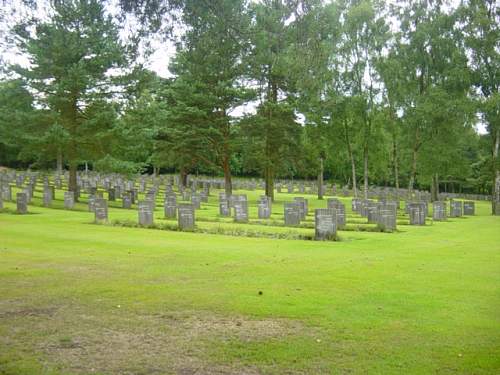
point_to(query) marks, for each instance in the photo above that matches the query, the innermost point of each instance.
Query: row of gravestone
(382, 213)
(87, 181)
(418, 211)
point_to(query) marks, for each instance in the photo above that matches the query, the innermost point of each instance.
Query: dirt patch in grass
(80, 342)
(27, 313)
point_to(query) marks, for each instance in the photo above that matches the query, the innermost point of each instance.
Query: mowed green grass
(78, 298)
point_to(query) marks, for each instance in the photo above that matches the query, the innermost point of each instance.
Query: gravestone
(240, 205)
(372, 209)
(118, 192)
(170, 206)
(224, 206)
(185, 195)
(1, 202)
(334, 203)
(47, 196)
(91, 203)
(151, 195)
(341, 217)
(69, 200)
(29, 192)
(186, 216)
(304, 207)
(264, 207)
(206, 189)
(325, 224)
(438, 211)
(58, 182)
(416, 211)
(196, 200)
(146, 212)
(356, 205)
(111, 194)
(386, 216)
(134, 194)
(455, 208)
(469, 208)
(127, 200)
(101, 210)
(204, 196)
(6, 192)
(22, 203)
(292, 213)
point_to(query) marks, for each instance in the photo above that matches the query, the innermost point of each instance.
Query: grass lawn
(78, 298)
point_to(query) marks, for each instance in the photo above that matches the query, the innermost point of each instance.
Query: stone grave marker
(224, 206)
(387, 216)
(203, 196)
(6, 192)
(170, 206)
(47, 196)
(325, 224)
(101, 210)
(455, 208)
(439, 210)
(264, 207)
(416, 211)
(22, 203)
(372, 209)
(146, 212)
(91, 203)
(292, 213)
(111, 194)
(69, 200)
(196, 200)
(240, 208)
(186, 216)
(304, 209)
(29, 192)
(127, 200)
(356, 204)
(469, 208)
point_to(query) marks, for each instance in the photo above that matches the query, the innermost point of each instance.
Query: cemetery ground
(82, 298)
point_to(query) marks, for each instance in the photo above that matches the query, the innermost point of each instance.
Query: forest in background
(360, 92)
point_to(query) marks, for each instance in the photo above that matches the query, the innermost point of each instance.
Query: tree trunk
(495, 191)
(59, 162)
(414, 163)
(351, 157)
(183, 177)
(435, 188)
(269, 179)
(412, 173)
(395, 160)
(228, 186)
(320, 178)
(365, 170)
(72, 179)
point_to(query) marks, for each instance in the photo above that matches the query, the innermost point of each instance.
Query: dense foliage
(356, 91)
